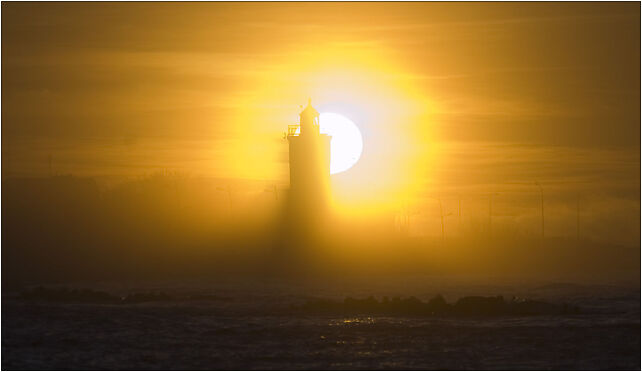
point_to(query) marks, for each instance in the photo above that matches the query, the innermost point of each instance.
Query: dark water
(250, 328)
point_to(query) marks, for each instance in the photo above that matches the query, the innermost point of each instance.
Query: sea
(250, 325)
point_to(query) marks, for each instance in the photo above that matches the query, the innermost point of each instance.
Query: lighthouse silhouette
(309, 195)
(309, 152)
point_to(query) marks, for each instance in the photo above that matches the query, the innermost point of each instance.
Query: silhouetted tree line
(65, 228)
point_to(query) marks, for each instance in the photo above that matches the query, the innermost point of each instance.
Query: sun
(346, 144)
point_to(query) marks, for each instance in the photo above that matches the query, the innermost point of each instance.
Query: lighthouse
(309, 157)
(306, 216)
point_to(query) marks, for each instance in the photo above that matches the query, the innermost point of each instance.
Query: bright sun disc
(346, 144)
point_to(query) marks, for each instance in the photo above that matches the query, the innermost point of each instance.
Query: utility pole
(459, 214)
(403, 218)
(578, 217)
(441, 214)
(490, 216)
(541, 190)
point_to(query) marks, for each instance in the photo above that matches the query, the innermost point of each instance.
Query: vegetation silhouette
(167, 225)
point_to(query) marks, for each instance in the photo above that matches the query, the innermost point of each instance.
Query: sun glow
(377, 159)
(346, 145)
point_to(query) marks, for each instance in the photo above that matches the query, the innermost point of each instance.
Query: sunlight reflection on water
(352, 321)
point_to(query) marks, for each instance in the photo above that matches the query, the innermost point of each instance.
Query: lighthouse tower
(306, 216)
(309, 152)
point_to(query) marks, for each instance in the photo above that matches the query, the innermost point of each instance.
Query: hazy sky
(145, 85)
(551, 73)
(450, 97)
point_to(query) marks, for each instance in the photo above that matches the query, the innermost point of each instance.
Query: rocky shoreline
(469, 306)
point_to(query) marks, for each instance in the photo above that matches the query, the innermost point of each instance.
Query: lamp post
(459, 220)
(578, 217)
(441, 214)
(490, 214)
(442, 217)
(541, 191)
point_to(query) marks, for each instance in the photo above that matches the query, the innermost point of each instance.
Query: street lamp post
(490, 214)
(441, 214)
(541, 191)
(578, 217)
(459, 220)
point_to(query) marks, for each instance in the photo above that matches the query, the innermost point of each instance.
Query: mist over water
(176, 224)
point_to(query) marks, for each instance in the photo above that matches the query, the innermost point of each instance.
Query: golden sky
(448, 96)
